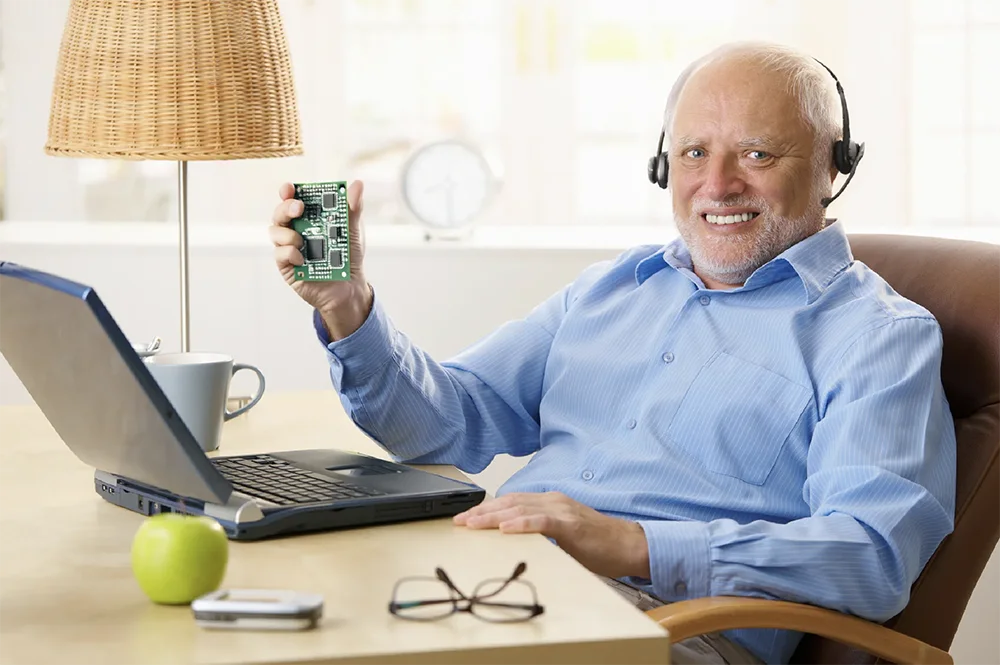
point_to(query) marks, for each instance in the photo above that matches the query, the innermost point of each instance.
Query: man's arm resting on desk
(605, 545)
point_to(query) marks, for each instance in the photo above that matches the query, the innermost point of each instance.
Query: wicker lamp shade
(175, 80)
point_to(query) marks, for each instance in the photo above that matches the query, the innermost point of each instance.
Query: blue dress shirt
(786, 439)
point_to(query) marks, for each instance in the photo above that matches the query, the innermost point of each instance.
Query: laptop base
(244, 518)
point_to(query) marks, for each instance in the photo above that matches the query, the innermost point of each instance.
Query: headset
(846, 153)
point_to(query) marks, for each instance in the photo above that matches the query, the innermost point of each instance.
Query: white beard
(771, 236)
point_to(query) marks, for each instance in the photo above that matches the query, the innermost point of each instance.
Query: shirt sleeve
(462, 412)
(880, 487)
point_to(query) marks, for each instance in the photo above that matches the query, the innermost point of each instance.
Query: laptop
(100, 398)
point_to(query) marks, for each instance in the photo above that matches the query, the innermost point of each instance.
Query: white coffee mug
(197, 385)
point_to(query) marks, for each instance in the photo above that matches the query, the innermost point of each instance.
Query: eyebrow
(686, 141)
(750, 141)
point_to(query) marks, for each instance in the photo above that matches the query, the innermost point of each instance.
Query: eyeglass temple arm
(418, 603)
(518, 571)
(522, 606)
(443, 576)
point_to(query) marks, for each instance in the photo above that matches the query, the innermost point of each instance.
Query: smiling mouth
(724, 220)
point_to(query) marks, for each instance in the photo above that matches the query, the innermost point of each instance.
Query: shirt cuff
(361, 354)
(679, 559)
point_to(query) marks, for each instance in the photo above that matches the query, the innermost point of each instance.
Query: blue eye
(761, 153)
(695, 153)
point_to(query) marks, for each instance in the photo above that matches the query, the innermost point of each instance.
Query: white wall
(443, 297)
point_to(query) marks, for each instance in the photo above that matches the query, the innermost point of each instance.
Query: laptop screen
(93, 388)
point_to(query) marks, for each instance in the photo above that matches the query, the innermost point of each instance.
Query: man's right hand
(343, 306)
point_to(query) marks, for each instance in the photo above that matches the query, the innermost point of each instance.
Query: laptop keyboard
(280, 482)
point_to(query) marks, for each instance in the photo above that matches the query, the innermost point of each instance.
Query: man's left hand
(605, 545)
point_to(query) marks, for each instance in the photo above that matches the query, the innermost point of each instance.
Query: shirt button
(631, 424)
(680, 588)
(704, 300)
(668, 357)
(588, 475)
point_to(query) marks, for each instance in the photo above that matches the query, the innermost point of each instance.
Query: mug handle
(229, 415)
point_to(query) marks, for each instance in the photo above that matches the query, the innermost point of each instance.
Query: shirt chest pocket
(736, 416)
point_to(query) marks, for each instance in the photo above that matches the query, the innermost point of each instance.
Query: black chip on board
(315, 249)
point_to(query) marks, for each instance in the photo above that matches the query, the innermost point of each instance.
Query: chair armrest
(700, 616)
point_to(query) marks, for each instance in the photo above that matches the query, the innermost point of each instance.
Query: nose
(723, 178)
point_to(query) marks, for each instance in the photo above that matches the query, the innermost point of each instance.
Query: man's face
(742, 171)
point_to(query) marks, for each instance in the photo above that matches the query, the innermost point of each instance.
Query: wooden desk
(67, 593)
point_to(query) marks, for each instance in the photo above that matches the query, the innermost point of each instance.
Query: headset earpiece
(841, 159)
(845, 155)
(658, 169)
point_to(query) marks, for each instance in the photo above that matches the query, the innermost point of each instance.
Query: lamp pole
(182, 224)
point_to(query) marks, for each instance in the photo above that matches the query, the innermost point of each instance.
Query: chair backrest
(959, 283)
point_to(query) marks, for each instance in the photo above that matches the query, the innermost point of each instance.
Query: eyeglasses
(500, 600)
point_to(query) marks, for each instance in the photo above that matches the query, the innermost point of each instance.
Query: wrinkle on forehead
(738, 94)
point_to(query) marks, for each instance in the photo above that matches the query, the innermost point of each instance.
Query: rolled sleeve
(361, 354)
(679, 559)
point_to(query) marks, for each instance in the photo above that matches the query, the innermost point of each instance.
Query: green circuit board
(325, 235)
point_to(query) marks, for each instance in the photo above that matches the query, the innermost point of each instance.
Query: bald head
(750, 136)
(796, 74)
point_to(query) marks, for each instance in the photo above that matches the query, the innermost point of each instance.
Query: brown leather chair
(959, 282)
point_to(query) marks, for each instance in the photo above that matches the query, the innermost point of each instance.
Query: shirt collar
(819, 258)
(816, 261)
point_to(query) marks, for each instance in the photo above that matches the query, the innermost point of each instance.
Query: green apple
(177, 558)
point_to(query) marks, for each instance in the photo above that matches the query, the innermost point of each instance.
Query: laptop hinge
(238, 510)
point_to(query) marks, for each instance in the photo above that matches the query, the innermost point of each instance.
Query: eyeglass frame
(535, 608)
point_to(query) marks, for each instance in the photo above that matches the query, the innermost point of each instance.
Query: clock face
(447, 184)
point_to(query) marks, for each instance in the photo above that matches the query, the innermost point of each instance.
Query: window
(622, 61)
(563, 97)
(413, 72)
(955, 128)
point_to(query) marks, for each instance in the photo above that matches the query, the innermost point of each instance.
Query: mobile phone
(258, 609)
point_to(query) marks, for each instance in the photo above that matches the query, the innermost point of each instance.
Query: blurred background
(563, 101)
(563, 97)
